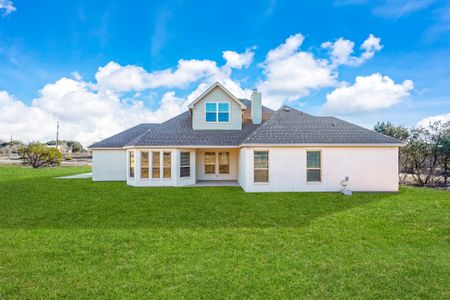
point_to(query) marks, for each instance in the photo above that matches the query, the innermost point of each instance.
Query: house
(221, 137)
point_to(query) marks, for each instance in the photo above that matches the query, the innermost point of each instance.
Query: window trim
(185, 166)
(131, 165)
(320, 169)
(268, 167)
(210, 164)
(217, 112)
(229, 162)
(141, 165)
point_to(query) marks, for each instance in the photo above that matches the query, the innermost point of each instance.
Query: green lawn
(79, 239)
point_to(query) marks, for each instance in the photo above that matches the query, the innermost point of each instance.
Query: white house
(222, 138)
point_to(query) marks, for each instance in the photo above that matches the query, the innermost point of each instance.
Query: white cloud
(426, 121)
(7, 6)
(391, 8)
(134, 78)
(23, 122)
(292, 74)
(122, 94)
(368, 93)
(342, 50)
(238, 60)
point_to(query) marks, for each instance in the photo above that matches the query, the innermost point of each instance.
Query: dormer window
(217, 112)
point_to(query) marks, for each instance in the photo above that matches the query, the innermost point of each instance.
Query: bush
(38, 155)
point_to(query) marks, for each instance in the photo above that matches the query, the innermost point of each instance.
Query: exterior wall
(216, 95)
(175, 179)
(368, 169)
(109, 165)
(242, 166)
(233, 165)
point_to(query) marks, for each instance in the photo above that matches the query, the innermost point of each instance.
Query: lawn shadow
(45, 202)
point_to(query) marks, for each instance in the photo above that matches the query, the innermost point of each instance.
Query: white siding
(368, 168)
(201, 165)
(216, 95)
(109, 165)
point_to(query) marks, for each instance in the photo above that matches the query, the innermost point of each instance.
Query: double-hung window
(224, 162)
(210, 162)
(156, 164)
(313, 166)
(261, 166)
(167, 165)
(185, 164)
(131, 162)
(217, 112)
(144, 164)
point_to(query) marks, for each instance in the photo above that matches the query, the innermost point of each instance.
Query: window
(217, 112)
(210, 162)
(144, 164)
(185, 164)
(261, 166)
(132, 164)
(224, 112)
(211, 112)
(224, 162)
(156, 172)
(167, 165)
(313, 166)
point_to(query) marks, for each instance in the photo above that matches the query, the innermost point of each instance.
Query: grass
(79, 239)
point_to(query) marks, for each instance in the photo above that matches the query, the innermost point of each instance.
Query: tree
(398, 132)
(38, 155)
(75, 146)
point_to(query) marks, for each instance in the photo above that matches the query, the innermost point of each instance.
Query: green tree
(387, 128)
(38, 155)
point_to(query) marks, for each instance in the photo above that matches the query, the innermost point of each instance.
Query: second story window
(217, 112)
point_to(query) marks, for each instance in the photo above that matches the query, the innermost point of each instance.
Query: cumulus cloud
(90, 111)
(291, 73)
(426, 121)
(368, 93)
(134, 78)
(238, 60)
(7, 7)
(341, 51)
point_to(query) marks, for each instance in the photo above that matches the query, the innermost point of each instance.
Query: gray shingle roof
(290, 126)
(178, 132)
(121, 139)
(285, 126)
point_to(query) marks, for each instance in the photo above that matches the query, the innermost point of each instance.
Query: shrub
(38, 155)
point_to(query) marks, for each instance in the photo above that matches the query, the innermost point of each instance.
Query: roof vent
(287, 108)
(334, 124)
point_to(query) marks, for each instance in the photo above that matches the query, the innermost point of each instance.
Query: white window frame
(148, 165)
(320, 169)
(217, 112)
(229, 162)
(185, 166)
(268, 166)
(213, 164)
(132, 153)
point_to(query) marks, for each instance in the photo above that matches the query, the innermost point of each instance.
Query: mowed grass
(79, 239)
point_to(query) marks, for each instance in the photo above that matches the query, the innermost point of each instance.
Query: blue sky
(51, 52)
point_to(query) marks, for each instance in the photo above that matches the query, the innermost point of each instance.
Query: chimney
(256, 107)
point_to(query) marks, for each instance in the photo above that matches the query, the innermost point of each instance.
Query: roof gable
(211, 88)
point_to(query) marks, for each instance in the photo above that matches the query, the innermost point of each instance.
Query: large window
(167, 165)
(131, 161)
(210, 162)
(224, 162)
(185, 164)
(217, 112)
(261, 166)
(144, 164)
(313, 166)
(156, 165)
